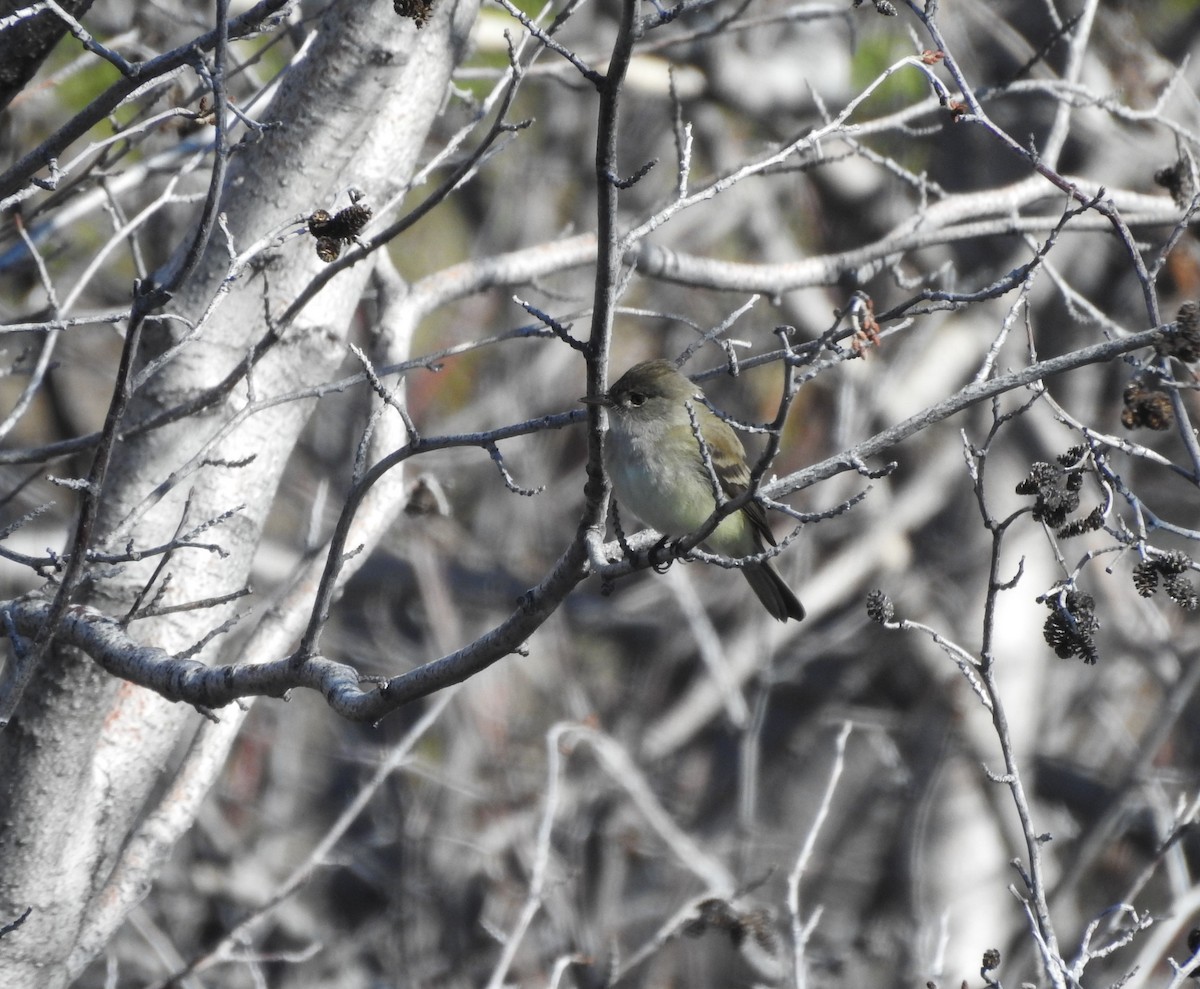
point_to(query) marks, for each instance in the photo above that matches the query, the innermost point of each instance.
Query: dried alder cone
(880, 608)
(1183, 340)
(1056, 487)
(1146, 407)
(332, 230)
(752, 933)
(1177, 179)
(885, 7)
(1147, 402)
(417, 11)
(1071, 628)
(740, 924)
(1167, 570)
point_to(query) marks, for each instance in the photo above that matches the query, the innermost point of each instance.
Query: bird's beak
(602, 400)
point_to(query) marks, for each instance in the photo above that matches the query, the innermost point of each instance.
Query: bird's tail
(773, 592)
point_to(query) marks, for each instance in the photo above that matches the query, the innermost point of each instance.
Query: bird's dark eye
(636, 398)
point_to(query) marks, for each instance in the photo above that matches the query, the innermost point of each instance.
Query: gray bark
(84, 755)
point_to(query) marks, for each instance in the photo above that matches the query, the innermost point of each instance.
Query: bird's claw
(662, 554)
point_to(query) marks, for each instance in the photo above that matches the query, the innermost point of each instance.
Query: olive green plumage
(658, 472)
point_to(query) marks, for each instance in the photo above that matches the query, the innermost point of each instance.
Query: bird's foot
(663, 553)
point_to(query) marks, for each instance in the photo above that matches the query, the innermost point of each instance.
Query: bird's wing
(735, 476)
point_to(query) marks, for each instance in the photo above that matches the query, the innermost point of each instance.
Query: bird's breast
(671, 497)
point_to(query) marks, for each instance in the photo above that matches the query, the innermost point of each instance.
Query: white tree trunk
(85, 754)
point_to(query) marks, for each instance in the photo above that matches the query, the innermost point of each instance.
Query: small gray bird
(658, 473)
